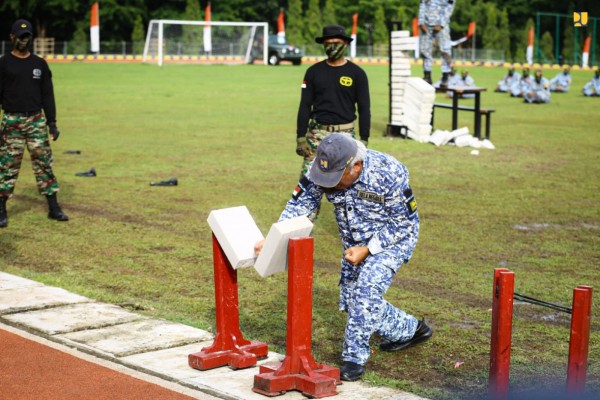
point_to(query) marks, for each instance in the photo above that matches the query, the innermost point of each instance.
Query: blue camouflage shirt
(435, 12)
(378, 211)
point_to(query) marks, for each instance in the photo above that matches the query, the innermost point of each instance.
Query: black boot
(3, 215)
(54, 210)
(427, 76)
(444, 82)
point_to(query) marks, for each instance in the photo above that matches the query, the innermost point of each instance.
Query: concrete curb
(152, 346)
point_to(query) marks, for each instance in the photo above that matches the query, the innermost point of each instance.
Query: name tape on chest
(370, 196)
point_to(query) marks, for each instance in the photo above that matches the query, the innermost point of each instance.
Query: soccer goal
(211, 42)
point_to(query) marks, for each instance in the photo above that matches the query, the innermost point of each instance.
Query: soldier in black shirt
(333, 91)
(29, 112)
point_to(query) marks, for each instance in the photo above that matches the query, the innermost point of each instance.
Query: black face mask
(538, 79)
(22, 43)
(335, 50)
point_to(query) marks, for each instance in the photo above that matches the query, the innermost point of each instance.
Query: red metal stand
(299, 370)
(229, 347)
(502, 312)
(580, 340)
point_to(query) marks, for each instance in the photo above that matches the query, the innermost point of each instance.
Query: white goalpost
(211, 42)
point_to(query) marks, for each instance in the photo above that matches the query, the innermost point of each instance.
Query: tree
(329, 16)
(546, 48)
(192, 34)
(137, 35)
(314, 24)
(504, 32)
(380, 31)
(294, 26)
(522, 40)
(491, 34)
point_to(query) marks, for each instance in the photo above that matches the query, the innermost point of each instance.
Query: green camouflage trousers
(17, 131)
(313, 138)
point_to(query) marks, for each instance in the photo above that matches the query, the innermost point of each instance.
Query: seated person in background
(592, 88)
(453, 78)
(561, 82)
(509, 79)
(539, 90)
(463, 81)
(522, 85)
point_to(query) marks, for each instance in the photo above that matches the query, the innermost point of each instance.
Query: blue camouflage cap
(334, 155)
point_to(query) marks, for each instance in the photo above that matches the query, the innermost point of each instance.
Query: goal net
(210, 42)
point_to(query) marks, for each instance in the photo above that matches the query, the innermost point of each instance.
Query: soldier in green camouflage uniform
(28, 117)
(31, 131)
(333, 92)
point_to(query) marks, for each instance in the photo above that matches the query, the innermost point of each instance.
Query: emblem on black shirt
(37, 73)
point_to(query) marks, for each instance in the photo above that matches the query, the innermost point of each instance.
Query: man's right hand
(302, 147)
(258, 246)
(423, 28)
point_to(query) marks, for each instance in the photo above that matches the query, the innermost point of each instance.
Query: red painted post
(579, 342)
(299, 370)
(502, 312)
(229, 347)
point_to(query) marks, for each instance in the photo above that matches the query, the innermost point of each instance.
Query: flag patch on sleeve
(299, 189)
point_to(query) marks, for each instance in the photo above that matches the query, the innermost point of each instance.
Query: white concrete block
(237, 233)
(273, 257)
(399, 34)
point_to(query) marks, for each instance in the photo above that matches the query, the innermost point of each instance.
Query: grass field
(227, 133)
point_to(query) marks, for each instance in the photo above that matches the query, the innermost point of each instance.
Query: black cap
(333, 31)
(20, 27)
(334, 155)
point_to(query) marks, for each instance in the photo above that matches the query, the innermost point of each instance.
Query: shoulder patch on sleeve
(411, 203)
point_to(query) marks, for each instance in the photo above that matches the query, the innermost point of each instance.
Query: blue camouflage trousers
(361, 295)
(19, 131)
(426, 40)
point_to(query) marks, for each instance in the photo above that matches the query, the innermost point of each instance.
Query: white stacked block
(401, 44)
(419, 97)
(273, 257)
(237, 233)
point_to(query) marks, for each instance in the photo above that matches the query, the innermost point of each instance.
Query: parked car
(281, 50)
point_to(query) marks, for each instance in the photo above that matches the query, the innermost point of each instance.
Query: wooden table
(477, 108)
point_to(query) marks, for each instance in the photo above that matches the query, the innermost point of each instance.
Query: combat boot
(427, 76)
(3, 215)
(444, 82)
(54, 210)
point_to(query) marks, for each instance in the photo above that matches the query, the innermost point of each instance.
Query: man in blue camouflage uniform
(434, 23)
(378, 223)
(592, 88)
(539, 90)
(29, 114)
(508, 81)
(561, 82)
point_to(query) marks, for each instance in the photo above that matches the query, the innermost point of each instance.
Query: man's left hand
(357, 254)
(53, 130)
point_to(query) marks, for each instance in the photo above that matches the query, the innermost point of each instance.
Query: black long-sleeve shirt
(26, 85)
(332, 95)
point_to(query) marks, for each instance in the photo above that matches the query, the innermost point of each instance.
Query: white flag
(207, 34)
(95, 28)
